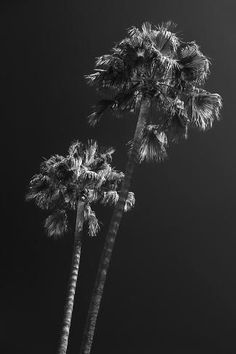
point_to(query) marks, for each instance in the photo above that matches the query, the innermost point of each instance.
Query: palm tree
(75, 183)
(159, 77)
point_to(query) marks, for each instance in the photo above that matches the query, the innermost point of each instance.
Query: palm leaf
(112, 181)
(153, 145)
(204, 108)
(115, 176)
(136, 35)
(76, 153)
(56, 224)
(48, 165)
(38, 184)
(44, 191)
(63, 172)
(76, 149)
(92, 195)
(70, 195)
(194, 66)
(110, 71)
(92, 221)
(164, 44)
(90, 152)
(165, 40)
(110, 198)
(106, 154)
(103, 173)
(43, 199)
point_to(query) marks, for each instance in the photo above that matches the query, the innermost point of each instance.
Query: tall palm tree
(159, 77)
(74, 183)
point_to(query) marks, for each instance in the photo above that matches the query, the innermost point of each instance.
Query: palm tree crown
(84, 174)
(153, 62)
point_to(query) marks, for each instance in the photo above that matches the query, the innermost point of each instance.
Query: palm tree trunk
(112, 233)
(73, 278)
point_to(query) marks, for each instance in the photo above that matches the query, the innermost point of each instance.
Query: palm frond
(89, 175)
(194, 66)
(156, 47)
(127, 100)
(162, 51)
(110, 71)
(44, 191)
(105, 61)
(75, 156)
(115, 175)
(63, 172)
(92, 78)
(43, 200)
(110, 198)
(56, 224)
(76, 149)
(166, 41)
(49, 164)
(90, 152)
(153, 145)
(136, 34)
(106, 154)
(38, 184)
(113, 71)
(93, 195)
(70, 195)
(92, 221)
(130, 201)
(104, 170)
(112, 181)
(204, 108)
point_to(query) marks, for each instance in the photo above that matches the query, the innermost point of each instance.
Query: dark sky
(172, 285)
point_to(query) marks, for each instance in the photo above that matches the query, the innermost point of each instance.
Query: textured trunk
(112, 232)
(73, 278)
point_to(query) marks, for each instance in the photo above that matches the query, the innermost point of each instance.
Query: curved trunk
(73, 278)
(112, 232)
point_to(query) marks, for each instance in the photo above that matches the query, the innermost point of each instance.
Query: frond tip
(56, 224)
(130, 201)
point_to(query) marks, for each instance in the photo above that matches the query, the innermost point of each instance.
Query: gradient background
(172, 285)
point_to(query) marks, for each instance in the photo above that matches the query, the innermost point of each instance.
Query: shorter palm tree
(74, 183)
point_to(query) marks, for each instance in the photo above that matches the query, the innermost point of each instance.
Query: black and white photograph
(118, 189)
